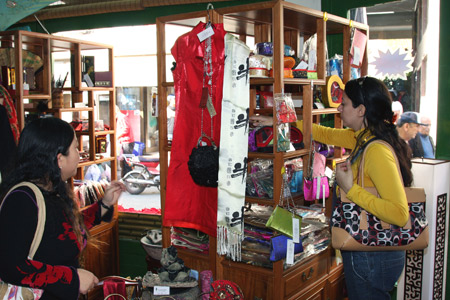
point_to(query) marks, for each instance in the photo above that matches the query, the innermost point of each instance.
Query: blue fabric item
(426, 145)
(372, 275)
(297, 182)
(138, 148)
(278, 247)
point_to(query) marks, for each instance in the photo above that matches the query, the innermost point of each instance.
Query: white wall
(429, 48)
(315, 4)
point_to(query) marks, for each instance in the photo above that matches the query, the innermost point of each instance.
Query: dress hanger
(209, 7)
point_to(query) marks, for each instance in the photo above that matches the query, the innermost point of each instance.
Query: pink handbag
(315, 185)
(314, 189)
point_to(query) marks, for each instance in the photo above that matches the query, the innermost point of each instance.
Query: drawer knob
(306, 277)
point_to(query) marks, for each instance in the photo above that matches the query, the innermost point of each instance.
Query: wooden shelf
(37, 97)
(103, 260)
(96, 161)
(96, 133)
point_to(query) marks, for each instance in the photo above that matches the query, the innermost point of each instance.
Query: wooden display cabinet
(282, 23)
(102, 261)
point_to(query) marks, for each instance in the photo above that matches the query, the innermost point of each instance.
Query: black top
(54, 266)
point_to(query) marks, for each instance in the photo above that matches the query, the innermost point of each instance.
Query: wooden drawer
(255, 282)
(304, 276)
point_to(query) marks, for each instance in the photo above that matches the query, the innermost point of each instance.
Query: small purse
(281, 218)
(15, 292)
(278, 247)
(354, 229)
(203, 163)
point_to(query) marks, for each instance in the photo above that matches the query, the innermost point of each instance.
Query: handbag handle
(203, 135)
(284, 186)
(112, 295)
(41, 215)
(311, 159)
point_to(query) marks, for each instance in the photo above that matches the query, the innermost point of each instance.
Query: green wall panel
(132, 258)
(130, 18)
(443, 116)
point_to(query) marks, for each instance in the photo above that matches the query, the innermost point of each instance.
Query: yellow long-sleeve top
(380, 171)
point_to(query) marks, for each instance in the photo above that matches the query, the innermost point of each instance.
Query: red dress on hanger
(188, 204)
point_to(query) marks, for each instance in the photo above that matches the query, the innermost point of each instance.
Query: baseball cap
(408, 117)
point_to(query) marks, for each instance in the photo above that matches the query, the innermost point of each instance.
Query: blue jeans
(372, 275)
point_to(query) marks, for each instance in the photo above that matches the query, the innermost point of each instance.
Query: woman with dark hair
(48, 156)
(366, 112)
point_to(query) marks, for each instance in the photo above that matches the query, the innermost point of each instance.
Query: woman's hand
(113, 192)
(258, 120)
(344, 176)
(87, 281)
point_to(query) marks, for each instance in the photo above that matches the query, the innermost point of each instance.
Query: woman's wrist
(105, 206)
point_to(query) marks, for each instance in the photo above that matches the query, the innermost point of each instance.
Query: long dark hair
(375, 96)
(36, 161)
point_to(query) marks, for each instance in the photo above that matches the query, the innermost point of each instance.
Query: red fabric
(124, 133)
(188, 204)
(90, 215)
(11, 111)
(148, 211)
(225, 290)
(114, 286)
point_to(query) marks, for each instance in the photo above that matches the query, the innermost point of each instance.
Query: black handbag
(203, 163)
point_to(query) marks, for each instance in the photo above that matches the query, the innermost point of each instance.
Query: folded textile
(201, 246)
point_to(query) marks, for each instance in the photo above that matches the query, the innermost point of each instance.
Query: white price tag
(323, 196)
(295, 230)
(356, 56)
(318, 188)
(302, 65)
(328, 172)
(312, 60)
(205, 34)
(290, 252)
(161, 290)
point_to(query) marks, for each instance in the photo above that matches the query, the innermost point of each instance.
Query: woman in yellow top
(366, 113)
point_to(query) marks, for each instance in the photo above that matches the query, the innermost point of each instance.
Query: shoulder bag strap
(361, 164)
(41, 215)
(373, 190)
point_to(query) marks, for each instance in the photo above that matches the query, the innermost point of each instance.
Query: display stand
(283, 23)
(424, 276)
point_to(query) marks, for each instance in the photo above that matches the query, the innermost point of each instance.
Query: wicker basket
(153, 250)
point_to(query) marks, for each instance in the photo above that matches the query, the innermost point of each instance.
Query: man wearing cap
(422, 145)
(408, 125)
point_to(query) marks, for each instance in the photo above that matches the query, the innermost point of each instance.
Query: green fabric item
(281, 220)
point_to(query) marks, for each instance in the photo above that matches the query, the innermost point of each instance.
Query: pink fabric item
(206, 278)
